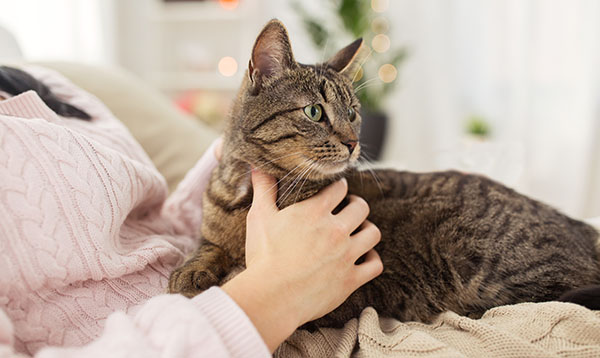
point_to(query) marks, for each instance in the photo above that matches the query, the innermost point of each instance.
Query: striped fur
(450, 241)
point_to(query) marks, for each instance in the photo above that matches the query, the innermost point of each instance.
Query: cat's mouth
(318, 167)
(333, 168)
(325, 168)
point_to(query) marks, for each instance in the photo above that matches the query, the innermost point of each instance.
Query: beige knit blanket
(550, 329)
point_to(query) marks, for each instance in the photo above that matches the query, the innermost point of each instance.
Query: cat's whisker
(275, 186)
(363, 88)
(267, 163)
(367, 83)
(294, 183)
(297, 180)
(369, 168)
(288, 174)
(322, 63)
(361, 65)
(362, 184)
(314, 166)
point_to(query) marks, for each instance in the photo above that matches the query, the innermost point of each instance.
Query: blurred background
(507, 88)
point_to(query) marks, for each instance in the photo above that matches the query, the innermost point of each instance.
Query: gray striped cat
(450, 241)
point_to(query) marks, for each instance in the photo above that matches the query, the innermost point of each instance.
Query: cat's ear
(272, 52)
(345, 61)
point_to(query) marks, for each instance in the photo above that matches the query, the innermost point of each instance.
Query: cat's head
(295, 118)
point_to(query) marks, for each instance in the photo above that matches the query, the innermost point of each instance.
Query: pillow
(173, 140)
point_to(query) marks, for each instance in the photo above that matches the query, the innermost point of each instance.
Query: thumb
(265, 191)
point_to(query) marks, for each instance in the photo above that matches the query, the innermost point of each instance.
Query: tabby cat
(450, 241)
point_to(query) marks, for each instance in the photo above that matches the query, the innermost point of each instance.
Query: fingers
(265, 191)
(331, 196)
(354, 213)
(364, 240)
(368, 270)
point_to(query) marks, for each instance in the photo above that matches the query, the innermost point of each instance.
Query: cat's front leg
(208, 267)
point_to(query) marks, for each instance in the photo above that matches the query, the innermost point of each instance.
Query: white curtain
(530, 67)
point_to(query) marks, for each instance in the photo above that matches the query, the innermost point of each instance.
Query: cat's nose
(351, 144)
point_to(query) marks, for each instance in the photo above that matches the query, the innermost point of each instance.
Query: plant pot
(372, 134)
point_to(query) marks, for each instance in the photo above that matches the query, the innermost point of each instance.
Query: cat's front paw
(191, 281)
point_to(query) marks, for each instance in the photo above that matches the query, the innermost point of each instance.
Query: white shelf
(209, 11)
(176, 45)
(181, 81)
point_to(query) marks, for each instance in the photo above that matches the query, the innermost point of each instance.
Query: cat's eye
(314, 112)
(351, 114)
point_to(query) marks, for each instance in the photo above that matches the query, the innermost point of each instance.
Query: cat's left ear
(345, 61)
(272, 53)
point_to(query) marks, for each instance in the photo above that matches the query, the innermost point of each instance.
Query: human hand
(301, 260)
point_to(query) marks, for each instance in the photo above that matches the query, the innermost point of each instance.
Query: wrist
(266, 303)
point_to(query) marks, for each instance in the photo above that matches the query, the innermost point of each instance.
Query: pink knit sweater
(88, 238)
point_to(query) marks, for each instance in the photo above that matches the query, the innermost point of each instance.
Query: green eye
(351, 114)
(314, 112)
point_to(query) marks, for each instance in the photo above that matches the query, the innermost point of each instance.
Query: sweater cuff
(232, 324)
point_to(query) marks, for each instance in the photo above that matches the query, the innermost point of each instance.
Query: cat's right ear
(271, 55)
(346, 60)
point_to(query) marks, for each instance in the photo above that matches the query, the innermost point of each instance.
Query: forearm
(267, 302)
(209, 325)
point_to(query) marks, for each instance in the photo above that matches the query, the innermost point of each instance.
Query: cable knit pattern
(86, 230)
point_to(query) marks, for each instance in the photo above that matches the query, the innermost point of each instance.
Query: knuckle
(371, 230)
(323, 205)
(362, 203)
(252, 214)
(338, 230)
(335, 234)
(376, 232)
(378, 269)
(340, 188)
(349, 257)
(343, 183)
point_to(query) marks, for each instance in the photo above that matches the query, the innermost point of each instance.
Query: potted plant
(339, 22)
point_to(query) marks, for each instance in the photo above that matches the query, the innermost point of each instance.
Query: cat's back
(470, 239)
(462, 200)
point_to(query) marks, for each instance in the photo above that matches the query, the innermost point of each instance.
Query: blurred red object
(209, 107)
(229, 4)
(186, 101)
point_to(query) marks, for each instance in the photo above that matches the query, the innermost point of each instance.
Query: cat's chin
(331, 169)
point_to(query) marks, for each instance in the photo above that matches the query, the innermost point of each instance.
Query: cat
(450, 241)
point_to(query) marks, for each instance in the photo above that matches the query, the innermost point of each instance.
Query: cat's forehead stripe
(323, 91)
(336, 86)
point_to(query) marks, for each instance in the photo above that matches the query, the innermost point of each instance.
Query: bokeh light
(358, 74)
(229, 4)
(380, 25)
(387, 73)
(228, 66)
(380, 5)
(380, 43)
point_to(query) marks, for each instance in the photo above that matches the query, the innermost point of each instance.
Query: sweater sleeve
(184, 206)
(209, 325)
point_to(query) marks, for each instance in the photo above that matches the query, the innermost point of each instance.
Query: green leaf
(477, 125)
(316, 31)
(354, 15)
